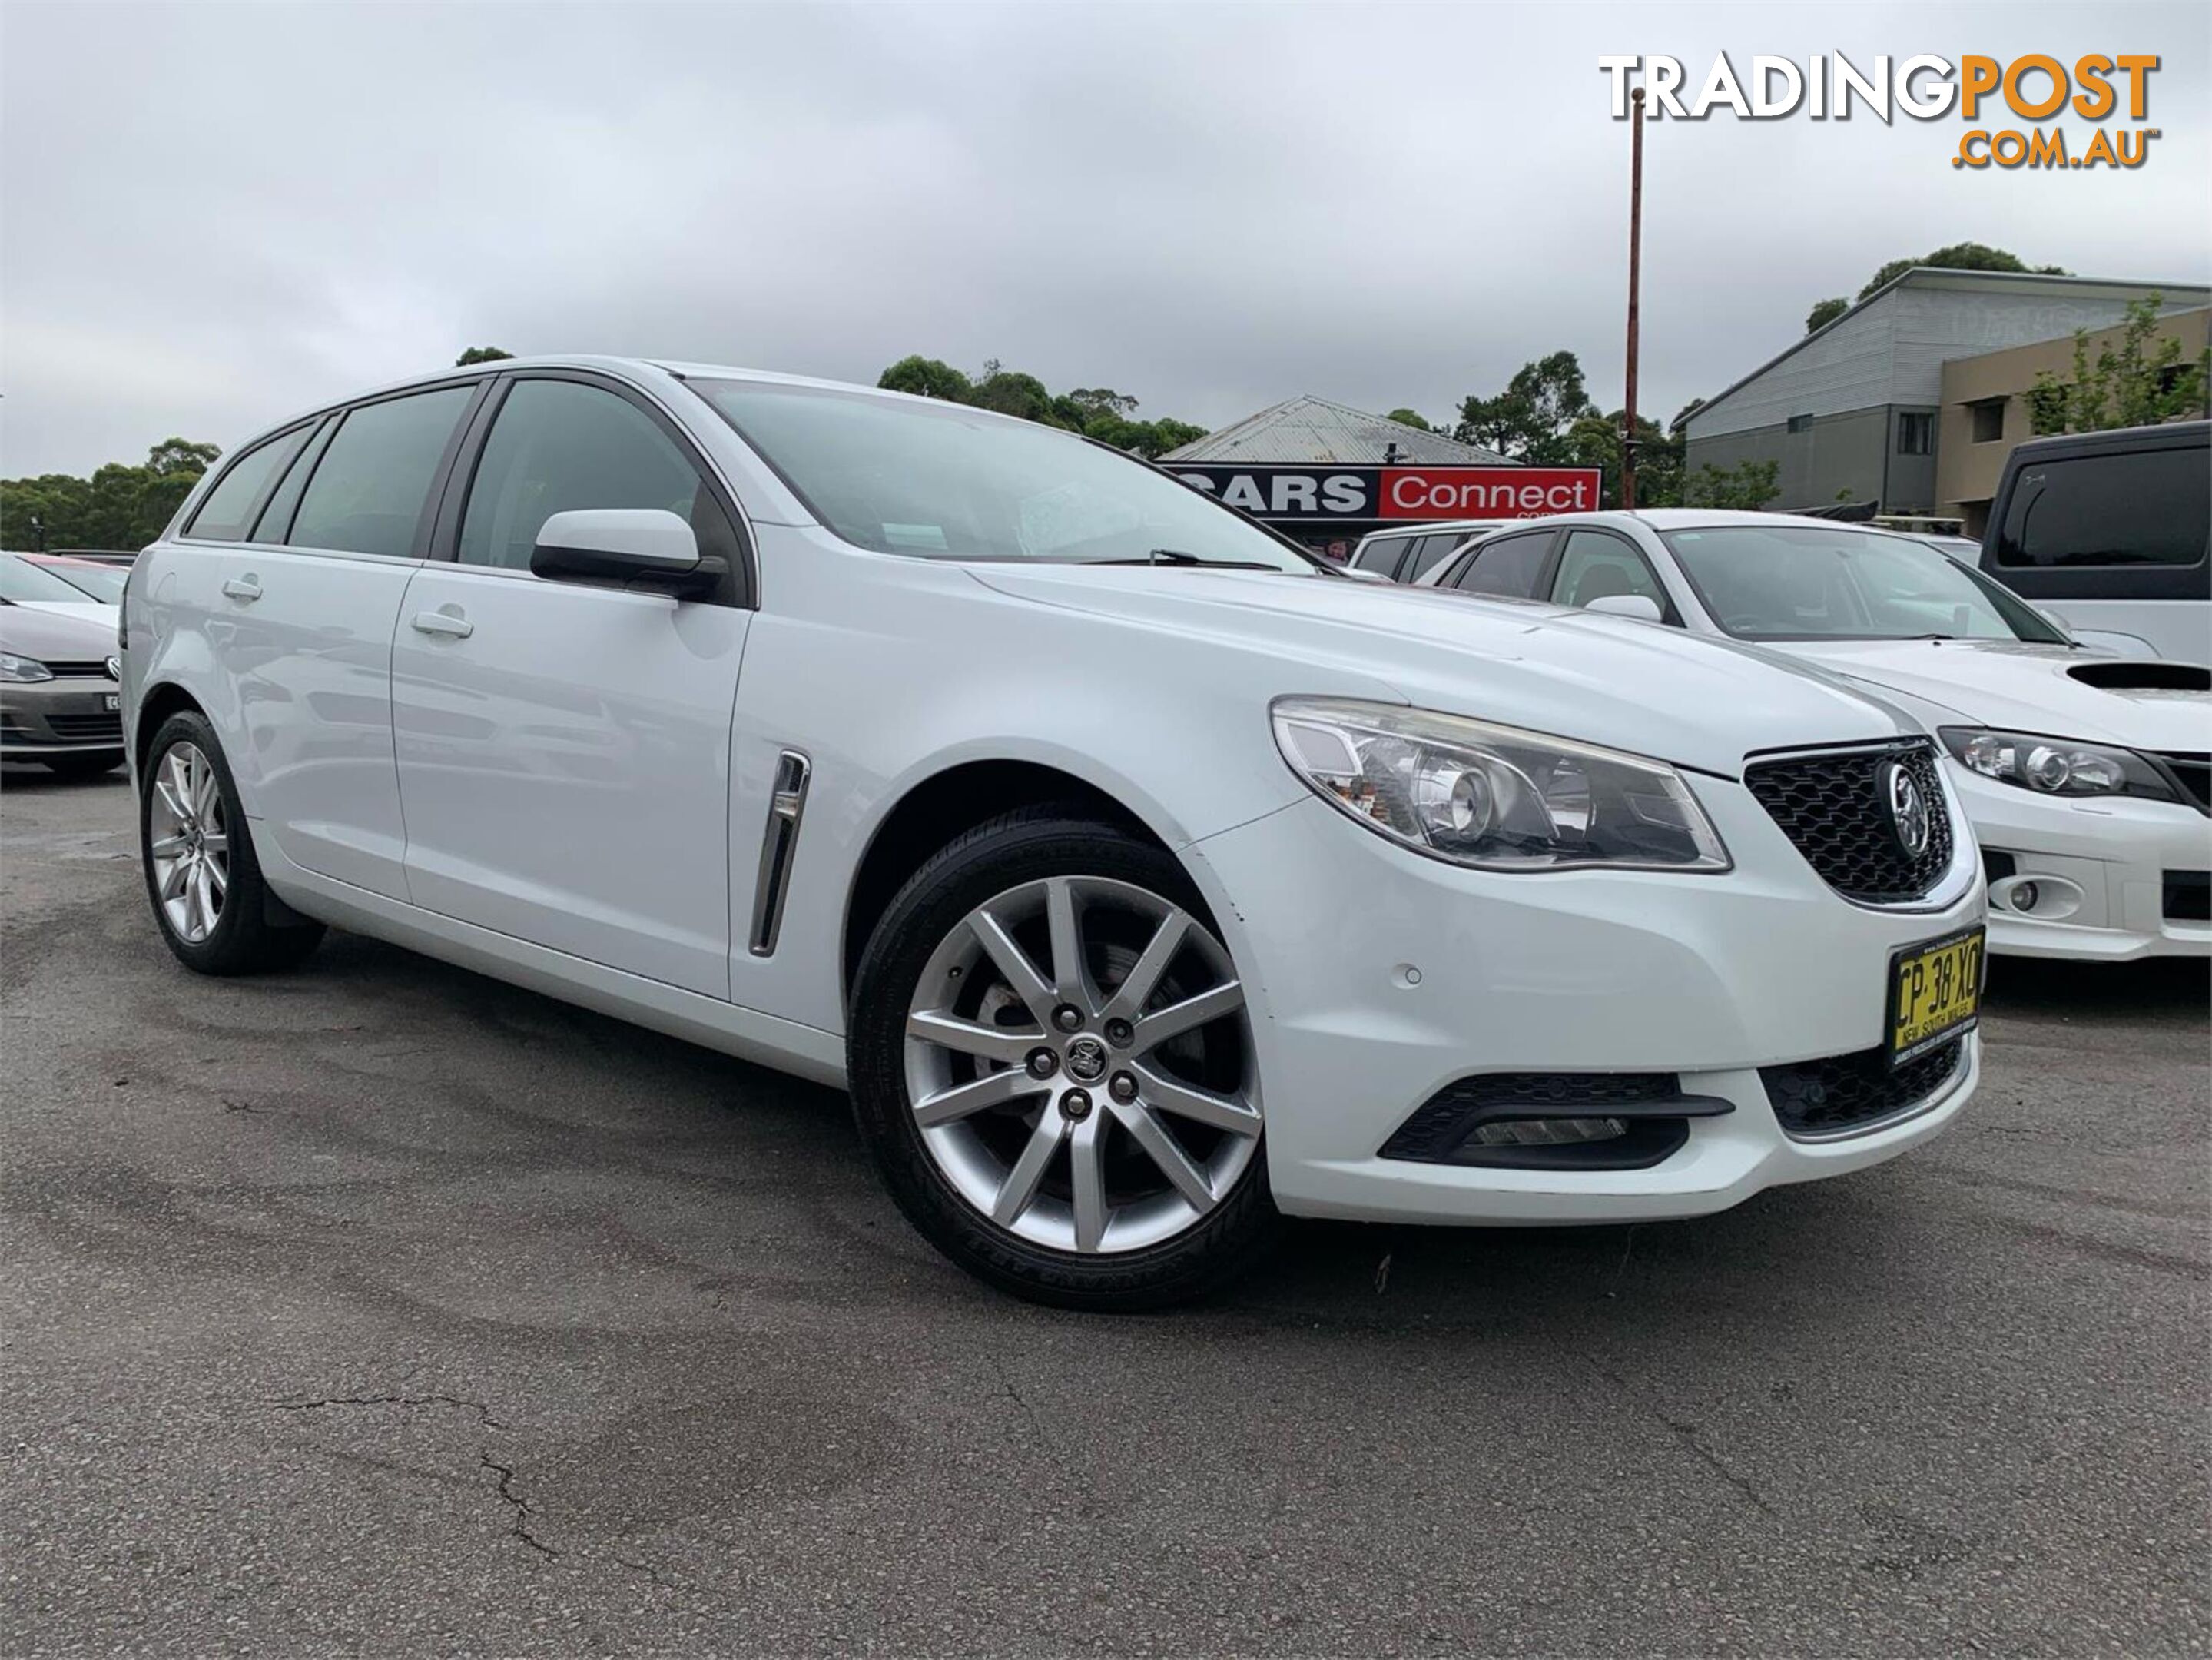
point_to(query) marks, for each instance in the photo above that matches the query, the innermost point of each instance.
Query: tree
(1011, 393)
(1594, 440)
(480, 355)
(1960, 256)
(926, 377)
(1100, 401)
(2131, 384)
(1527, 422)
(1749, 485)
(1825, 312)
(173, 456)
(1097, 412)
(121, 505)
(1410, 418)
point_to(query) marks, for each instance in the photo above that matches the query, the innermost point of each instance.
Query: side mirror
(1642, 606)
(632, 547)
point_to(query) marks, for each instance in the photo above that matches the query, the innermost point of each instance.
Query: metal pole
(1635, 276)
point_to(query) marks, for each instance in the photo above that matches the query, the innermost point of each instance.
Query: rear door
(1382, 555)
(564, 750)
(315, 543)
(1513, 567)
(1430, 550)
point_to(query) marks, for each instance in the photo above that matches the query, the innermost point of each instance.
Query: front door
(564, 750)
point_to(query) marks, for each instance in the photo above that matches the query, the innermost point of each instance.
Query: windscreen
(1812, 582)
(102, 582)
(939, 481)
(27, 584)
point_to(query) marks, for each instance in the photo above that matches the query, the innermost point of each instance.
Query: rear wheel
(201, 874)
(1053, 1065)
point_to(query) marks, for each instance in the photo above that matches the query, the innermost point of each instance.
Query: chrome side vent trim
(785, 805)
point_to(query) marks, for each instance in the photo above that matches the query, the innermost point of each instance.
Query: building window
(1801, 423)
(1989, 421)
(1915, 435)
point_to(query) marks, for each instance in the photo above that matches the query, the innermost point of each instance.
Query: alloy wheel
(189, 841)
(1079, 1065)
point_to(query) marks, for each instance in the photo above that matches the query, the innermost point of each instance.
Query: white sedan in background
(2088, 776)
(27, 582)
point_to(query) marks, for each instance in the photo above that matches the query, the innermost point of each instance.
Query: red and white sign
(1319, 494)
(1486, 492)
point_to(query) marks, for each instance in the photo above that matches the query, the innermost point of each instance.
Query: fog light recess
(1554, 1122)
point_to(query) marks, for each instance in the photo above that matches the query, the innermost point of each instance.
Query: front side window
(368, 492)
(941, 481)
(560, 446)
(2133, 508)
(224, 515)
(1596, 566)
(1508, 567)
(1811, 583)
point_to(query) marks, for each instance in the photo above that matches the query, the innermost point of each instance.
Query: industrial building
(1985, 408)
(1853, 413)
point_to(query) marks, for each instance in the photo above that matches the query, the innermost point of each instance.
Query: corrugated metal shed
(1307, 428)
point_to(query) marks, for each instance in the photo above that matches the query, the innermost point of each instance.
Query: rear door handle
(449, 624)
(247, 587)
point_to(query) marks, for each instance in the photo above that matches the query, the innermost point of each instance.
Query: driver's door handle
(247, 587)
(449, 624)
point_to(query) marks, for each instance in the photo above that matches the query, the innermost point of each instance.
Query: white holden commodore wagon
(1140, 877)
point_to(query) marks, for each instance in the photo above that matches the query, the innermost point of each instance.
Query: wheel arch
(936, 809)
(158, 703)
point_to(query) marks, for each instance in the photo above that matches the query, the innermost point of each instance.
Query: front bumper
(41, 719)
(2101, 867)
(1375, 978)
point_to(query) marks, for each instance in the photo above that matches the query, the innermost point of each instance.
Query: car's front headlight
(15, 668)
(1494, 797)
(2056, 766)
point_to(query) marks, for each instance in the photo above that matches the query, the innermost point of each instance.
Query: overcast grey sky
(217, 215)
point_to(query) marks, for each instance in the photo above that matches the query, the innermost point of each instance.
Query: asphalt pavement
(380, 1308)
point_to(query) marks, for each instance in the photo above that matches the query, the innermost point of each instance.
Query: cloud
(217, 214)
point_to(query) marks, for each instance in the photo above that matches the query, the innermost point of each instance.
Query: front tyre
(1052, 1064)
(201, 877)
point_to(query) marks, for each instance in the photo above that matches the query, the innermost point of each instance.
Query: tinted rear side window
(2133, 508)
(1381, 557)
(224, 516)
(1430, 551)
(1509, 566)
(368, 492)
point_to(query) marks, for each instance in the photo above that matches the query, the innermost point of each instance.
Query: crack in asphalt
(521, 1505)
(481, 1411)
(1685, 1432)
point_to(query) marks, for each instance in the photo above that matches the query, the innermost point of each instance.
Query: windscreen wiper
(1177, 557)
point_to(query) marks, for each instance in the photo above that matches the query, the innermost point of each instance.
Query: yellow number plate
(1934, 994)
